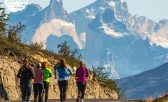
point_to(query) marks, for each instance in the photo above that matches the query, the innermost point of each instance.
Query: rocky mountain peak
(119, 6)
(54, 3)
(55, 10)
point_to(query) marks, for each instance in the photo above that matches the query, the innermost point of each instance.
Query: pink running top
(81, 74)
(39, 76)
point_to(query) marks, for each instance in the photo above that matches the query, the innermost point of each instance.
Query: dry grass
(149, 99)
(162, 99)
(20, 51)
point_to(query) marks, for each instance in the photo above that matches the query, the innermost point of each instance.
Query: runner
(46, 81)
(38, 83)
(63, 73)
(81, 74)
(26, 75)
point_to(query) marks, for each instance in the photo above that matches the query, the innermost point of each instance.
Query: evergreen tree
(13, 32)
(74, 53)
(64, 49)
(3, 18)
(80, 57)
(102, 77)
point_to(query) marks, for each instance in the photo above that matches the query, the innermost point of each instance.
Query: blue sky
(153, 9)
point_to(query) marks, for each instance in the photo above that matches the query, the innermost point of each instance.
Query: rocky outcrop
(9, 84)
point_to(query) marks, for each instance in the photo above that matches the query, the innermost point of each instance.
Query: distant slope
(151, 83)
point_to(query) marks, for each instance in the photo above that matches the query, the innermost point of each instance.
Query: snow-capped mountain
(58, 28)
(109, 25)
(53, 18)
(136, 43)
(31, 17)
(145, 27)
(151, 83)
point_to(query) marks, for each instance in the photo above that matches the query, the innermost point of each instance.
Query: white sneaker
(82, 100)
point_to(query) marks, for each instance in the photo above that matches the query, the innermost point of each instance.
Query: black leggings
(63, 85)
(81, 89)
(26, 92)
(38, 89)
(46, 88)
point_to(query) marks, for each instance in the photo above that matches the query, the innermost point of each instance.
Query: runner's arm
(50, 75)
(32, 73)
(76, 73)
(19, 73)
(43, 75)
(55, 72)
(87, 73)
(70, 72)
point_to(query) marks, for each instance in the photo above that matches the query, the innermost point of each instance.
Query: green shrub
(102, 77)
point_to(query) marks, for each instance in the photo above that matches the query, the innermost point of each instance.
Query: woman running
(38, 83)
(47, 72)
(63, 73)
(81, 74)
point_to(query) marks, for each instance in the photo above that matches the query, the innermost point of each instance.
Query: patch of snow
(87, 11)
(122, 1)
(112, 4)
(109, 66)
(102, 8)
(58, 28)
(82, 38)
(159, 41)
(90, 14)
(159, 38)
(110, 31)
(90, 17)
(59, 0)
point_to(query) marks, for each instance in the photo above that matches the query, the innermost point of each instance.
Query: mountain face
(53, 18)
(31, 17)
(151, 83)
(135, 43)
(109, 25)
(54, 11)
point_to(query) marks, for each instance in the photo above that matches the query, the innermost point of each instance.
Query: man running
(26, 75)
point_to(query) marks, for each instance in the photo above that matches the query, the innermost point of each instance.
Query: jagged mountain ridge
(105, 24)
(54, 18)
(151, 83)
(145, 27)
(55, 10)
(132, 52)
